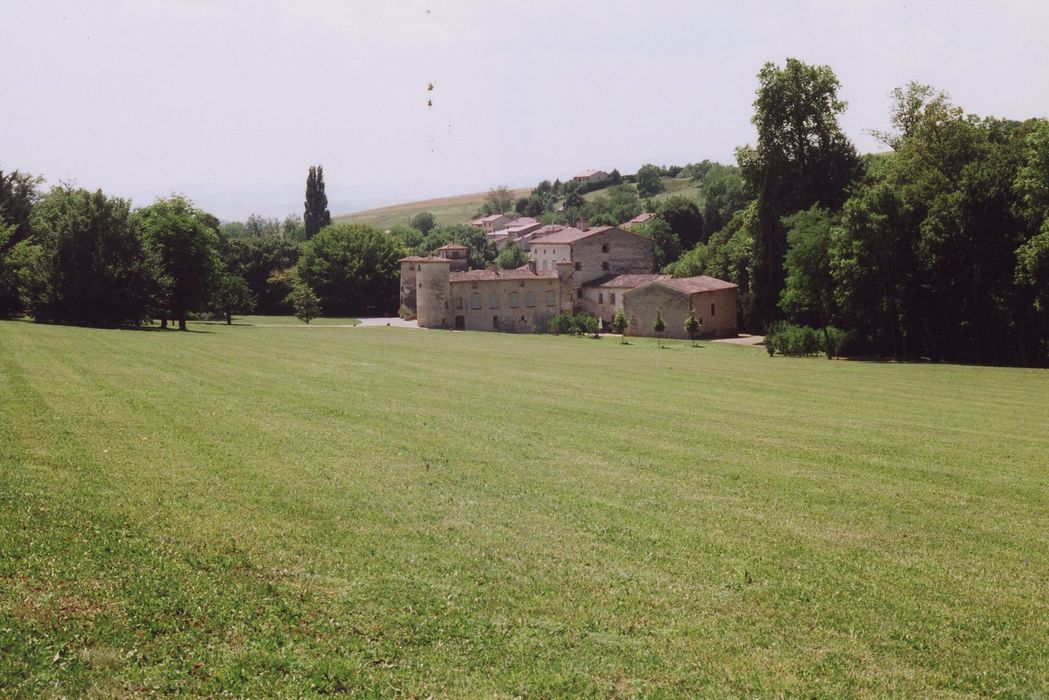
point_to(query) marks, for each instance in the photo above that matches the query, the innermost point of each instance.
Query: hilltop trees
(801, 158)
(316, 215)
(182, 246)
(423, 222)
(649, 182)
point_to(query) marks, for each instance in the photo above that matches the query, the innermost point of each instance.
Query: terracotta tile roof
(491, 217)
(625, 281)
(417, 258)
(588, 173)
(454, 246)
(568, 234)
(642, 218)
(520, 273)
(702, 283)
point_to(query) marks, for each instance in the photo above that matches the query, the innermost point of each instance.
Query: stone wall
(504, 305)
(674, 306)
(611, 252)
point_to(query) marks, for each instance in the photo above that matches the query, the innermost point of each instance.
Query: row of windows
(514, 300)
(601, 298)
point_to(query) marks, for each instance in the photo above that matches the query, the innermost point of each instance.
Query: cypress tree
(316, 215)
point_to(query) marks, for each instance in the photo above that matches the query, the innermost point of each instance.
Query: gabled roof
(588, 173)
(493, 217)
(642, 218)
(688, 285)
(454, 246)
(625, 281)
(569, 234)
(520, 273)
(419, 258)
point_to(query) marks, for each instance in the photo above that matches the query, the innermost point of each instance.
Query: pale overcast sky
(230, 102)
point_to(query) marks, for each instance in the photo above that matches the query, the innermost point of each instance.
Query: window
(458, 302)
(604, 247)
(578, 266)
(473, 285)
(513, 300)
(493, 300)
(530, 299)
(600, 298)
(546, 264)
(612, 298)
(712, 309)
(579, 294)
(475, 301)
(550, 299)
(604, 266)
(495, 322)
(521, 283)
(445, 305)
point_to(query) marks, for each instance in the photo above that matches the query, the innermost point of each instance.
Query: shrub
(562, 323)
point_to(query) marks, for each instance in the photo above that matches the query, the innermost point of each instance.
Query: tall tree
(809, 291)
(183, 247)
(18, 193)
(684, 218)
(801, 158)
(649, 180)
(87, 266)
(353, 268)
(316, 214)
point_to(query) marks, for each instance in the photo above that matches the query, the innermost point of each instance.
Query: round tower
(431, 292)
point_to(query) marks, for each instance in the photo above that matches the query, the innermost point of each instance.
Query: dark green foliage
(18, 192)
(84, 265)
(354, 269)
(256, 260)
(482, 251)
(511, 257)
(724, 193)
(658, 326)
(182, 247)
(586, 324)
(667, 245)
(683, 217)
(423, 222)
(649, 182)
(315, 215)
(791, 340)
(802, 158)
(809, 290)
(562, 324)
(232, 296)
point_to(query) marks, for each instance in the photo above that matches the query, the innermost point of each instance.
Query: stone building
(597, 270)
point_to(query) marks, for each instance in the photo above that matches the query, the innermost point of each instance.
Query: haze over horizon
(229, 103)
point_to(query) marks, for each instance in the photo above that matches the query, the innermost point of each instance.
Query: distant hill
(446, 210)
(461, 208)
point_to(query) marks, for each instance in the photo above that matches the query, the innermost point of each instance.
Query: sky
(230, 102)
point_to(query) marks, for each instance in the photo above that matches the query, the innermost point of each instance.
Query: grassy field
(446, 210)
(671, 186)
(261, 511)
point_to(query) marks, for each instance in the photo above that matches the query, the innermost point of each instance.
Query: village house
(590, 177)
(642, 218)
(492, 222)
(571, 269)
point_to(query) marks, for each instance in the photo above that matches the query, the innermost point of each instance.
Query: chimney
(582, 224)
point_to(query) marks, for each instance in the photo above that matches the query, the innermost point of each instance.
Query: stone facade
(674, 300)
(571, 269)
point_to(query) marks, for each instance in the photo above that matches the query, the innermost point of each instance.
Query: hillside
(297, 511)
(461, 208)
(446, 210)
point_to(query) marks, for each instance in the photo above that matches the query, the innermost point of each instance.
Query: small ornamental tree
(619, 324)
(692, 326)
(659, 327)
(307, 304)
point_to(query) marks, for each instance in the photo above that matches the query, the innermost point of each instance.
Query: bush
(561, 323)
(791, 340)
(586, 324)
(840, 341)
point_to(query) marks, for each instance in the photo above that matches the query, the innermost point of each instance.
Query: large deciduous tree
(353, 268)
(85, 264)
(18, 192)
(649, 180)
(316, 215)
(809, 291)
(801, 158)
(182, 244)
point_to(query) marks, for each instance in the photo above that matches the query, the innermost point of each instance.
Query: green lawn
(258, 511)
